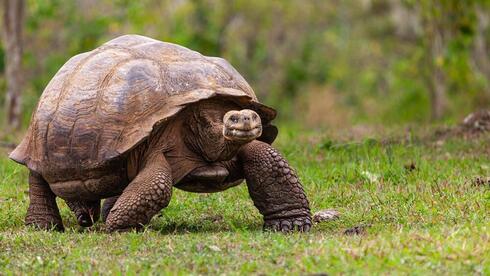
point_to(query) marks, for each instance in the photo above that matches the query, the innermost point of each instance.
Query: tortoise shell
(103, 103)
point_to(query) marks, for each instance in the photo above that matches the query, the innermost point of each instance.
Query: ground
(409, 204)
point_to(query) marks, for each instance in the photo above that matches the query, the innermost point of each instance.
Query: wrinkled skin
(208, 147)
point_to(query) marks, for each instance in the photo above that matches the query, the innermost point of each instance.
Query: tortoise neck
(168, 140)
(203, 135)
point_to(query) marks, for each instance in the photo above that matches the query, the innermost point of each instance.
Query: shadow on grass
(205, 227)
(173, 228)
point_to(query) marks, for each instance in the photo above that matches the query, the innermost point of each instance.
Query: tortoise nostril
(246, 118)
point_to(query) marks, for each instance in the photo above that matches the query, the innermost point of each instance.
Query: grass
(418, 200)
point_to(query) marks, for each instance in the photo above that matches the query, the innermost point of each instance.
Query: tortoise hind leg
(43, 213)
(86, 212)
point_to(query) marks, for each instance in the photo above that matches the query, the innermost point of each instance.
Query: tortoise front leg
(43, 213)
(145, 196)
(275, 188)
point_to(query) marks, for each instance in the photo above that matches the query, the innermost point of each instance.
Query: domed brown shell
(103, 103)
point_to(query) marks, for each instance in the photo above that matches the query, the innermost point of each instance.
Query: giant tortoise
(136, 117)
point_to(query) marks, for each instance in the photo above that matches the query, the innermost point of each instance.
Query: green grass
(432, 219)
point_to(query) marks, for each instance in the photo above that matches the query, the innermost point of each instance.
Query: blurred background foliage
(322, 64)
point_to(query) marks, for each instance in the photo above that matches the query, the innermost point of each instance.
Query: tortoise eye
(234, 118)
(254, 116)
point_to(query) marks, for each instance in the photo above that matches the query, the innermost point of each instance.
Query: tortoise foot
(85, 220)
(295, 224)
(46, 224)
(86, 212)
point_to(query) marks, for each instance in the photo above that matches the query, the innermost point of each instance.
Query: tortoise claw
(46, 225)
(287, 225)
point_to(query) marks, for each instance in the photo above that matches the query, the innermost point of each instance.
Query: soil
(473, 126)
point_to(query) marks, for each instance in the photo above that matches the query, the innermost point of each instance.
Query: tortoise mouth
(242, 135)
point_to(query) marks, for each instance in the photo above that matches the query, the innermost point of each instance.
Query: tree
(480, 52)
(13, 16)
(435, 38)
(452, 29)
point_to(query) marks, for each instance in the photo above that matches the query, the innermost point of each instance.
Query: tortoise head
(217, 129)
(242, 125)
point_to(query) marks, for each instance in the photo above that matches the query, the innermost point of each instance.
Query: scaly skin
(86, 212)
(43, 212)
(144, 197)
(275, 188)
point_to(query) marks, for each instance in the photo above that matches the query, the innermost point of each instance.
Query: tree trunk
(435, 39)
(13, 15)
(481, 52)
(438, 84)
